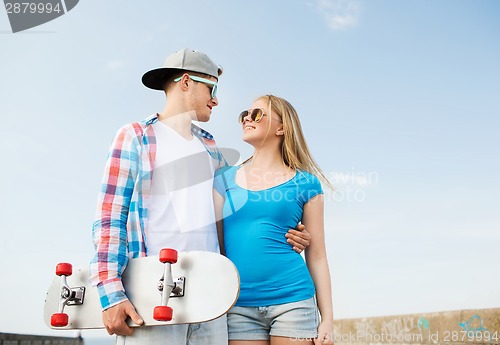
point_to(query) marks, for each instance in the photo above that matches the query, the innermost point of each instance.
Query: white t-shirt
(180, 209)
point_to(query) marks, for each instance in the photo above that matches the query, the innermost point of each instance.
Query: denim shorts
(294, 320)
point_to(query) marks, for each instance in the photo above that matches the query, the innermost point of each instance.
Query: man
(157, 192)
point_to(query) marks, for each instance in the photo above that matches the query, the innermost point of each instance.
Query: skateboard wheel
(59, 320)
(64, 269)
(162, 313)
(168, 255)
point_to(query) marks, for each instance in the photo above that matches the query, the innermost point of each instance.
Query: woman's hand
(325, 334)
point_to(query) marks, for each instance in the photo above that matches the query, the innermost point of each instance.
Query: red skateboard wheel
(64, 269)
(168, 255)
(162, 313)
(59, 320)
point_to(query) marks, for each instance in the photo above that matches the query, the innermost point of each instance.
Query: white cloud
(339, 14)
(115, 65)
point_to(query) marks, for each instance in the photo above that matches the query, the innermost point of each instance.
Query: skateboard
(169, 288)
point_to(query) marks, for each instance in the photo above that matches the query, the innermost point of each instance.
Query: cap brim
(155, 78)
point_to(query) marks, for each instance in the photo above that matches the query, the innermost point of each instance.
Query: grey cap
(185, 59)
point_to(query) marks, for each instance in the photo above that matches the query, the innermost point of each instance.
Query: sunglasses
(255, 114)
(213, 89)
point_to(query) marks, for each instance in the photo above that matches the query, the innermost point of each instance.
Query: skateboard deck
(195, 287)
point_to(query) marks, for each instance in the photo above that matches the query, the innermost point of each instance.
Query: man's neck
(179, 122)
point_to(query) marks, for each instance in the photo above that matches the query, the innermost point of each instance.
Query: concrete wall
(21, 339)
(454, 327)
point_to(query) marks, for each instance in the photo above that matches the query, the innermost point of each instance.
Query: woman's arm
(317, 263)
(218, 204)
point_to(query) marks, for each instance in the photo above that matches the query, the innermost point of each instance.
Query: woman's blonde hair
(295, 152)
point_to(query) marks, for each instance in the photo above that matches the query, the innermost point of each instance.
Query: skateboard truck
(166, 285)
(69, 296)
(178, 289)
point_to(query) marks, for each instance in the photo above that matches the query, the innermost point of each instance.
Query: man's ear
(184, 82)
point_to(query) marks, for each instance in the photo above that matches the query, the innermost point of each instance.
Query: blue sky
(399, 101)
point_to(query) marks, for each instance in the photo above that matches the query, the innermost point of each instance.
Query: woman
(258, 201)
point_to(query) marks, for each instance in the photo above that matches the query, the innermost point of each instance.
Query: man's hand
(114, 318)
(298, 238)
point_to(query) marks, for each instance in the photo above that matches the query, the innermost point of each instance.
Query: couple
(159, 189)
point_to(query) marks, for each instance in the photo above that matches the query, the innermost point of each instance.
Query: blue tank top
(255, 224)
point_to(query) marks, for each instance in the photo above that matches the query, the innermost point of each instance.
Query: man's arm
(110, 232)
(299, 238)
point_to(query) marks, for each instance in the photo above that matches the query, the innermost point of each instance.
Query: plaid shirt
(119, 227)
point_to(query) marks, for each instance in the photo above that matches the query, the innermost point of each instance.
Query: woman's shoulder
(305, 177)
(226, 171)
(309, 184)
